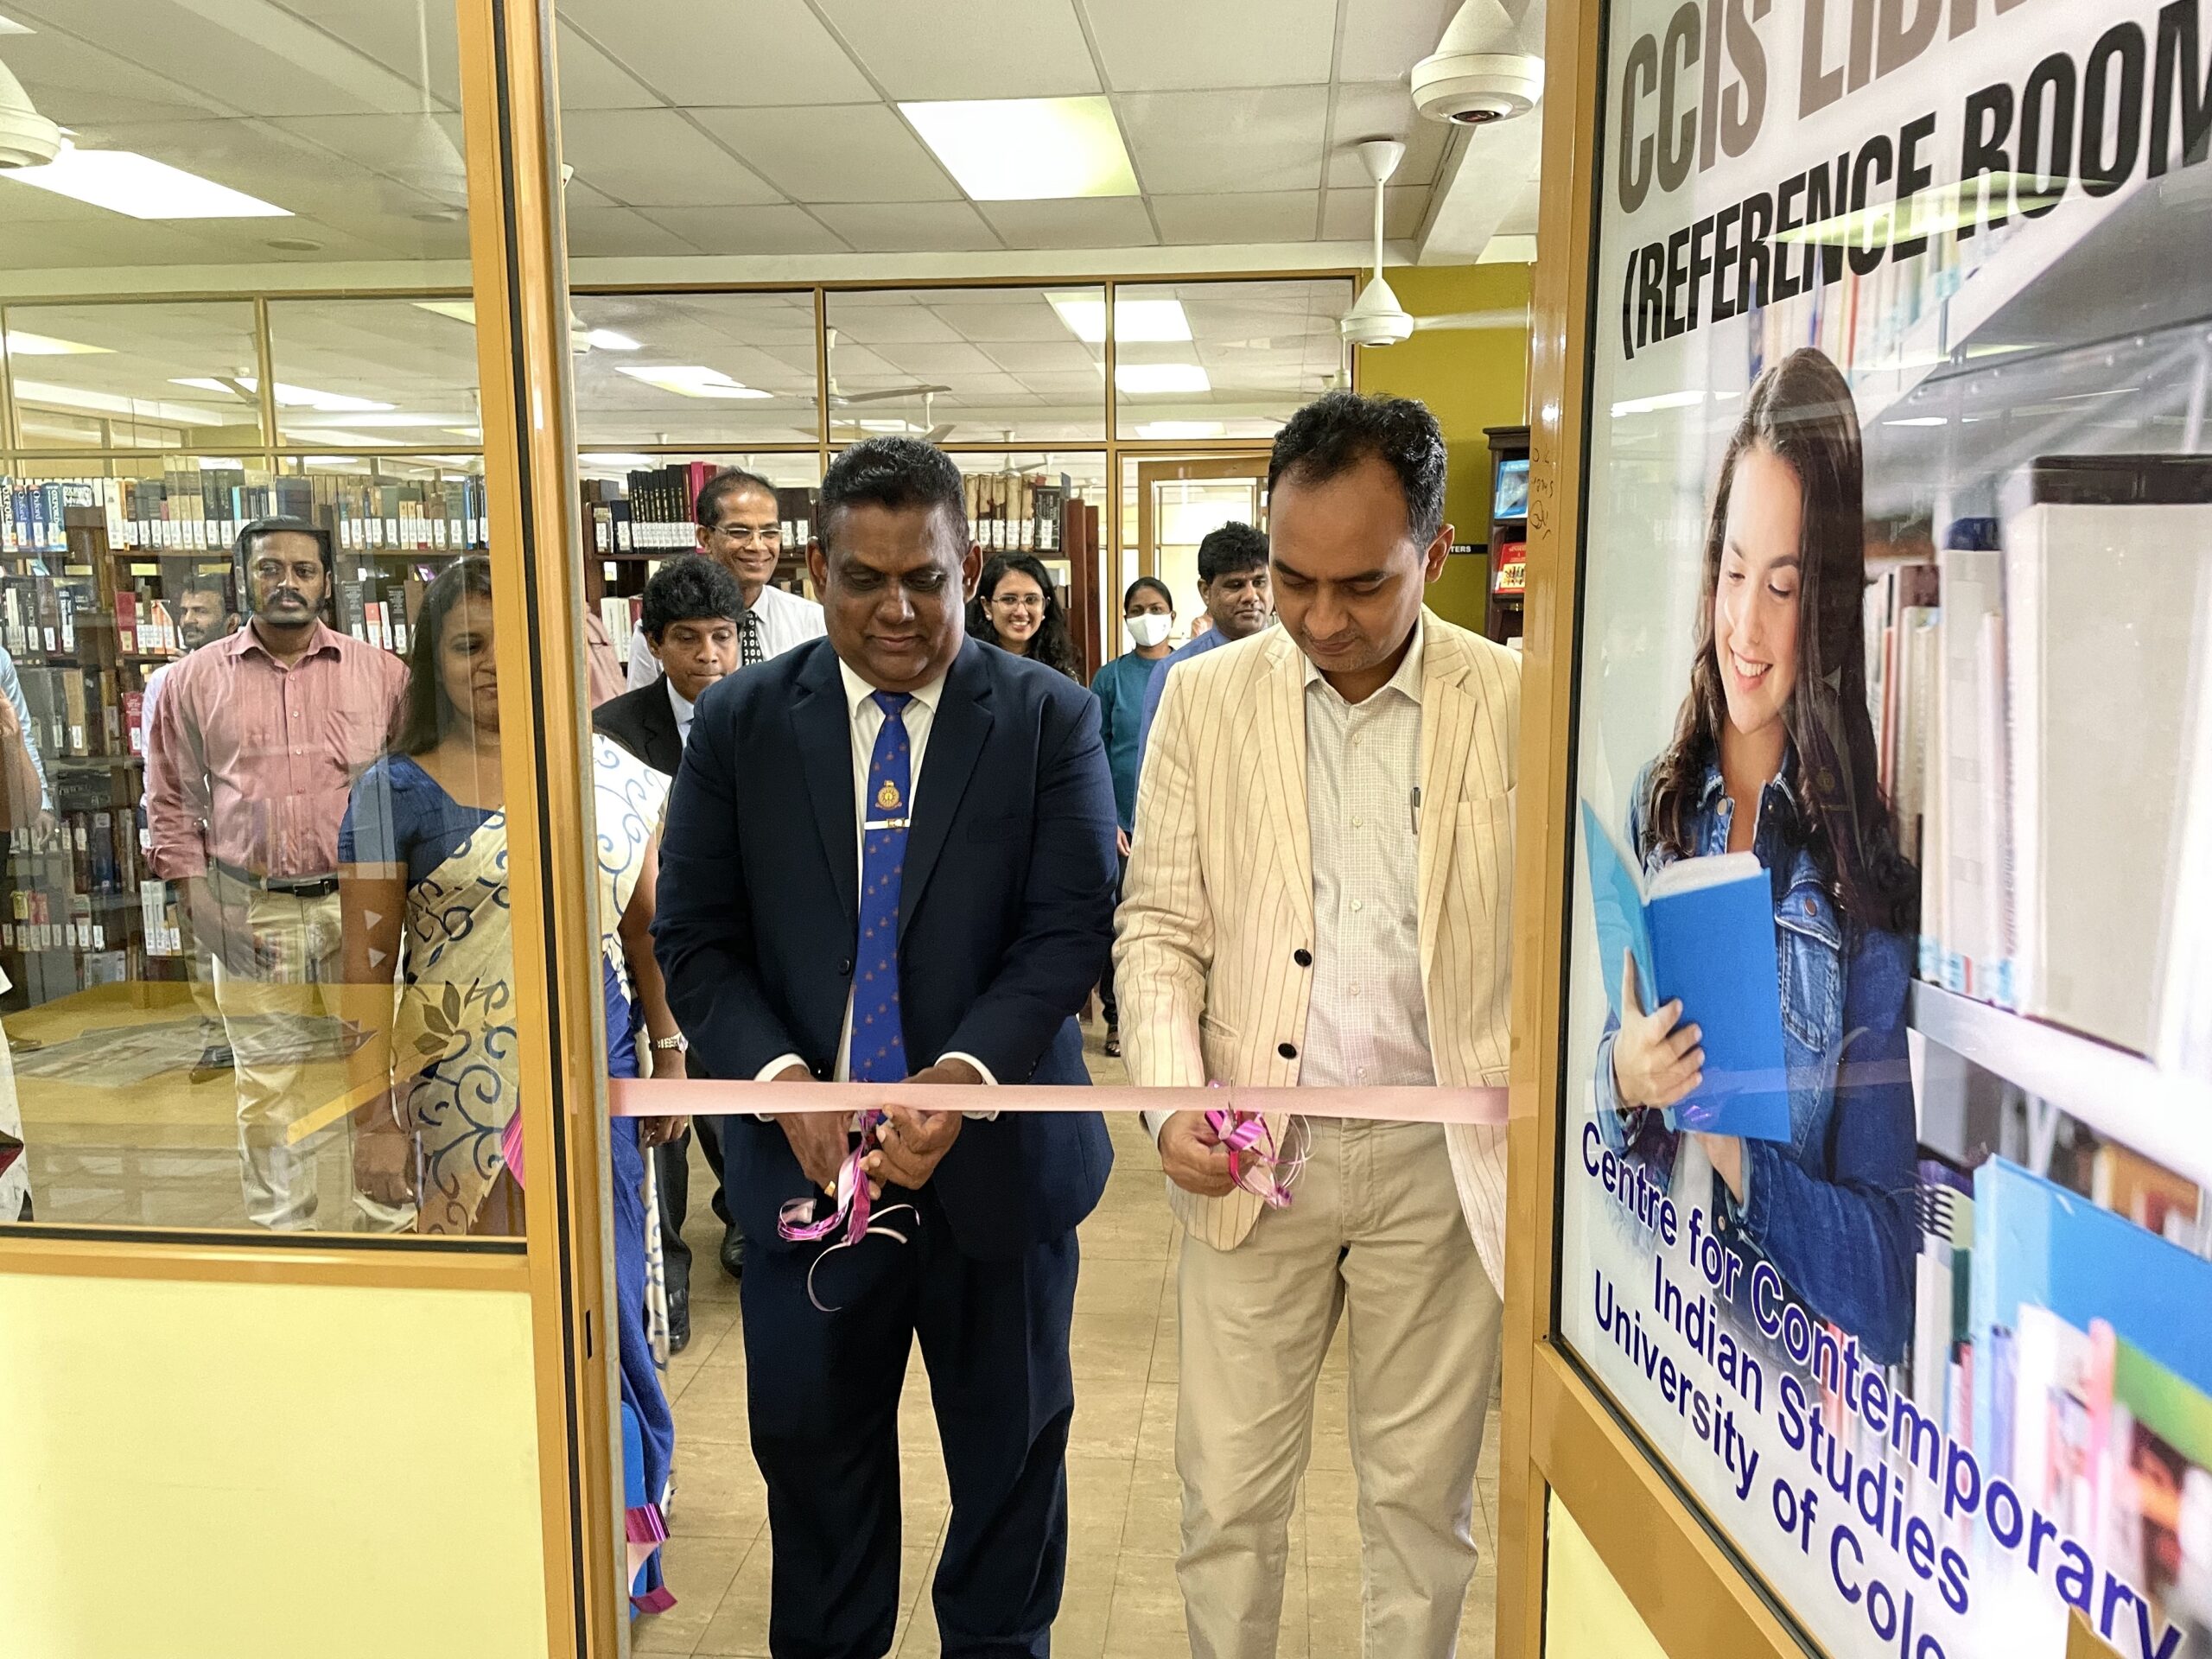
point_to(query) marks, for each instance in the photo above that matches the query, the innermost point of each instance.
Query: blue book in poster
(1701, 930)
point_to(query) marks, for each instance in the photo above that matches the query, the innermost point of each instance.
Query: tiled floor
(1122, 1600)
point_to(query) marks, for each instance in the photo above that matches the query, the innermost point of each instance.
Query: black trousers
(822, 1392)
(1107, 1005)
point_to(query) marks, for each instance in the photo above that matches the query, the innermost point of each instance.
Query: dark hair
(1153, 583)
(427, 715)
(1230, 547)
(707, 511)
(1051, 645)
(1801, 411)
(206, 582)
(1339, 429)
(895, 474)
(250, 538)
(690, 589)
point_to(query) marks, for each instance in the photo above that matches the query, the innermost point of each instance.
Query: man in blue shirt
(1233, 587)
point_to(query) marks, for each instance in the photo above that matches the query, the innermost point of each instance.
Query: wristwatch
(679, 1042)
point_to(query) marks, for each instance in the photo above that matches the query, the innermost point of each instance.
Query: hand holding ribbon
(1255, 1164)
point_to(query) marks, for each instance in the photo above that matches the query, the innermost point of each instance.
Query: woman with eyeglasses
(1016, 609)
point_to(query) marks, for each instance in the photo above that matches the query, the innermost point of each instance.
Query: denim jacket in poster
(1833, 1209)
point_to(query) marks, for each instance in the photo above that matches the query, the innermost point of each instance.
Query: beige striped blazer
(1218, 900)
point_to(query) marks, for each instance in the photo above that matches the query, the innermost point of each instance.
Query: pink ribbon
(705, 1097)
(510, 1146)
(1254, 1162)
(855, 1214)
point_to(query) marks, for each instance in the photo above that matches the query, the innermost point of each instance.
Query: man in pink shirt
(254, 748)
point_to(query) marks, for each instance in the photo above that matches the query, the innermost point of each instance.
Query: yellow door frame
(1561, 1431)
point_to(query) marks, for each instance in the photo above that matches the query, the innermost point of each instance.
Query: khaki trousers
(1375, 1235)
(297, 940)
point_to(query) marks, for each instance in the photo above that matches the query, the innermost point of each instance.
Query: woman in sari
(423, 887)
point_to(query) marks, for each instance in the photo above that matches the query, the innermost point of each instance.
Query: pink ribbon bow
(854, 1216)
(1253, 1160)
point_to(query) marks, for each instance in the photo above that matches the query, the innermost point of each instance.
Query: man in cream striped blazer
(1319, 896)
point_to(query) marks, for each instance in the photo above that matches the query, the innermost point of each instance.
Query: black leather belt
(292, 887)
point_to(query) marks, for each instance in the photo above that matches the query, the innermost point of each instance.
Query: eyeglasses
(1018, 601)
(752, 535)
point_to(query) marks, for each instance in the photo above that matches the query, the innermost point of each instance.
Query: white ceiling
(705, 127)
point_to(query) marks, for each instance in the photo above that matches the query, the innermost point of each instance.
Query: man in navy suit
(915, 880)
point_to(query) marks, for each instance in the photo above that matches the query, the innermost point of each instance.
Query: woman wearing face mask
(1016, 609)
(1773, 753)
(1148, 612)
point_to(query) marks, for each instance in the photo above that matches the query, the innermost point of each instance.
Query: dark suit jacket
(1005, 918)
(643, 722)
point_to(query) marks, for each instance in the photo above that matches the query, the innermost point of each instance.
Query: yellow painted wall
(1586, 1614)
(201, 1471)
(1471, 378)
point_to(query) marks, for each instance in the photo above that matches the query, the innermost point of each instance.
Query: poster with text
(1888, 1103)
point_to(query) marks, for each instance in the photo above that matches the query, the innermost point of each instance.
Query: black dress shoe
(733, 1253)
(679, 1320)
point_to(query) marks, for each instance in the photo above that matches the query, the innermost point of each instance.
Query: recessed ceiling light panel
(1135, 322)
(20, 344)
(1143, 379)
(123, 182)
(692, 380)
(1028, 148)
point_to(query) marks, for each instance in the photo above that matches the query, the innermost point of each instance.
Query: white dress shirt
(786, 620)
(867, 726)
(1366, 1023)
(682, 709)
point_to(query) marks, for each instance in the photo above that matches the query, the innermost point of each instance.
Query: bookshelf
(1506, 579)
(2120, 1095)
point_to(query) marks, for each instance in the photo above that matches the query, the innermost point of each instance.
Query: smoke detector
(1478, 74)
(26, 138)
(1375, 317)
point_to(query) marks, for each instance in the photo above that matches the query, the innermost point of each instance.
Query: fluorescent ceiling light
(20, 344)
(1141, 379)
(1663, 400)
(464, 431)
(607, 340)
(291, 396)
(1028, 148)
(1181, 429)
(108, 403)
(616, 460)
(9, 25)
(456, 461)
(1918, 420)
(693, 380)
(1134, 321)
(124, 182)
(883, 426)
(333, 461)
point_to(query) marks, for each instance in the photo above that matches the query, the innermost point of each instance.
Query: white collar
(1406, 682)
(858, 690)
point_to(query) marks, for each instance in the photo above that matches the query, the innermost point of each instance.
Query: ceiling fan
(1375, 317)
(930, 431)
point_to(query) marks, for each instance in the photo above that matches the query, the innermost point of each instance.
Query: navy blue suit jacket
(1005, 918)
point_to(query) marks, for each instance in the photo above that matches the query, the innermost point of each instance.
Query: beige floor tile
(1147, 1618)
(1153, 1524)
(718, 1489)
(699, 1572)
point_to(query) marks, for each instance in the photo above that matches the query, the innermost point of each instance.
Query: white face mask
(1149, 628)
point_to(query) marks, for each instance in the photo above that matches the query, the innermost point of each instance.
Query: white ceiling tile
(843, 152)
(991, 316)
(1350, 215)
(592, 80)
(1028, 358)
(1104, 222)
(941, 362)
(655, 158)
(781, 228)
(886, 319)
(1521, 218)
(910, 227)
(423, 152)
(1388, 37)
(920, 51)
(1207, 143)
(78, 83)
(1165, 45)
(698, 53)
(400, 39)
(624, 233)
(1384, 109)
(1257, 216)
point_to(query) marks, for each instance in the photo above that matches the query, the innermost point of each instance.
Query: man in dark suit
(692, 607)
(916, 879)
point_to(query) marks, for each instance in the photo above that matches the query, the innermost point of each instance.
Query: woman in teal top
(1149, 610)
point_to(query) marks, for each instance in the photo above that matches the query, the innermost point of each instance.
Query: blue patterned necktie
(879, 1050)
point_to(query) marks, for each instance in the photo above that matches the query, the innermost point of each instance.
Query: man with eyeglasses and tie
(889, 857)
(738, 530)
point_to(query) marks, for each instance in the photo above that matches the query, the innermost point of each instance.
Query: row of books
(65, 876)
(2044, 713)
(39, 615)
(365, 514)
(656, 511)
(380, 610)
(79, 711)
(1011, 514)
